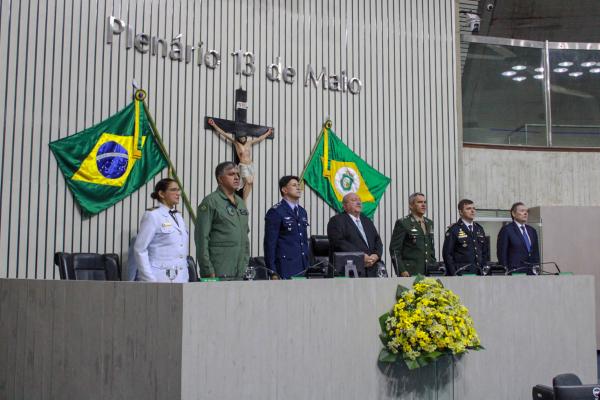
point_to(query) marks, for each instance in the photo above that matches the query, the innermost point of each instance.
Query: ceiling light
(595, 70)
(565, 64)
(560, 70)
(509, 73)
(519, 67)
(519, 78)
(540, 69)
(575, 74)
(539, 76)
(588, 64)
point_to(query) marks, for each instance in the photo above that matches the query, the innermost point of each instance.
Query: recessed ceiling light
(509, 73)
(560, 70)
(595, 70)
(588, 64)
(519, 78)
(519, 67)
(540, 69)
(539, 76)
(575, 74)
(565, 64)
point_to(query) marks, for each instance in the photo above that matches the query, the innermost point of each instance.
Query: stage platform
(304, 339)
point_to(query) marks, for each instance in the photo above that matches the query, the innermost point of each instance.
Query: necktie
(296, 212)
(361, 230)
(423, 226)
(172, 213)
(470, 228)
(526, 237)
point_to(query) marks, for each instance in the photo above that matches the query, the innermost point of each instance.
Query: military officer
(286, 242)
(412, 239)
(161, 248)
(465, 246)
(222, 245)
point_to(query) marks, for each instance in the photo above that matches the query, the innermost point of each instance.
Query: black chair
(192, 269)
(566, 380)
(260, 268)
(88, 266)
(435, 269)
(320, 257)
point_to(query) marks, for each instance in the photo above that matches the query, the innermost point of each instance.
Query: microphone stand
(459, 271)
(542, 272)
(306, 269)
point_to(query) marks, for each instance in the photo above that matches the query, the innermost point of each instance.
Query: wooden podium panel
(310, 339)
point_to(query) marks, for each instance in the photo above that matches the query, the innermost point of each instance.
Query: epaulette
(152, 208)
(276, 205)
(451, 226)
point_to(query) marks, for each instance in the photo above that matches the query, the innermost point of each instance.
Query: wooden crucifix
(238, 132)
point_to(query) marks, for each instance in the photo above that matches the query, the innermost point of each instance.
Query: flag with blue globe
(109, 161)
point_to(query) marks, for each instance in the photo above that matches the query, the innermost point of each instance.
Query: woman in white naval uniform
(162, 241)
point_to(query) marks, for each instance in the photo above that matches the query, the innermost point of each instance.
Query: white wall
(495, 179)
(58, 76)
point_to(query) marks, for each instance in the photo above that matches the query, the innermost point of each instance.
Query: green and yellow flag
(109, 161)
(334, 170)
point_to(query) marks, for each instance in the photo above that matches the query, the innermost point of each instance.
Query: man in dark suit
(352, 231)
(286, 243)
(518, 242)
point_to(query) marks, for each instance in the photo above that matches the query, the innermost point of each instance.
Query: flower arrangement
(427, 322)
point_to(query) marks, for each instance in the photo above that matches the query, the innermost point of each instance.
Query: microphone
(542, 269)
(459, 271)
(309, 267)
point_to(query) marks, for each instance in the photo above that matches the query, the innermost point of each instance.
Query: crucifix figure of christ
(238, 132)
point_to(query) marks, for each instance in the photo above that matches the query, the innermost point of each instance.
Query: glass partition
(503, 95)
(527, 93)
(575, 96)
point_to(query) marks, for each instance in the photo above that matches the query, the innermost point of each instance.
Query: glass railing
(528, 93)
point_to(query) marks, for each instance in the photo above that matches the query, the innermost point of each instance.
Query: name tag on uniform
(166, 224)
(243, 211)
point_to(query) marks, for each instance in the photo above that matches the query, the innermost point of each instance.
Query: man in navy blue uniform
(286, 242)
(465, 247)
(518, 245)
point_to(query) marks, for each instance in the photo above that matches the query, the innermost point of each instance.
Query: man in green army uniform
(222, 245)
(412, 240)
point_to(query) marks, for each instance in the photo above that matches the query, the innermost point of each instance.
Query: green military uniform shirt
(410, 246)
(221, 236)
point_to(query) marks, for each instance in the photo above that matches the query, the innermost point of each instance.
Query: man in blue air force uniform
(286, 241)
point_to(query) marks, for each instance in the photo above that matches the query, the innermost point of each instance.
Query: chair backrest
(192, 269)
(319, 248)
(62, 261)
(566, 380)
(260, 267)
(88, 266)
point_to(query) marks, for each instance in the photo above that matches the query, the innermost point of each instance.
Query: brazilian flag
(334, 170)
(109, 161)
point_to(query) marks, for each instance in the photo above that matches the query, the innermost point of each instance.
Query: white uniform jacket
(161, 243)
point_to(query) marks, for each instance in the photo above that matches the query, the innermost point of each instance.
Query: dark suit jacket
(512, 250)
(344, 235)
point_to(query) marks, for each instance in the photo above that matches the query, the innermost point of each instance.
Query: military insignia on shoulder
(152, 208)
(203, 207)
(276, 205)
